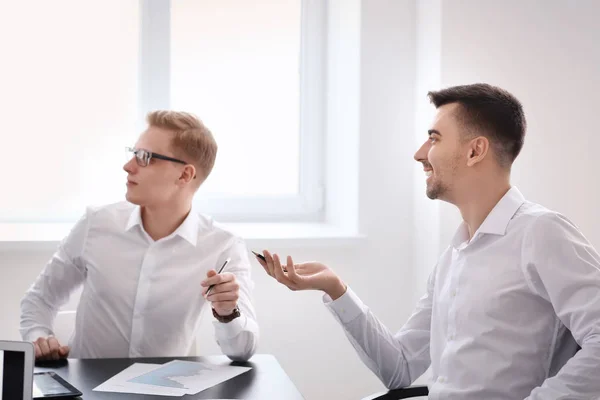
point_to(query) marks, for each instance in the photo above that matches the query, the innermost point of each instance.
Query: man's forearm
(36, 317)
(577, 379)
(238, 339)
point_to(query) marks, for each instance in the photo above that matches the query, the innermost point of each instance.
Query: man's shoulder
(209, 226)
(110, 213)
(537, 218)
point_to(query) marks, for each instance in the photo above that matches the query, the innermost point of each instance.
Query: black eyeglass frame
(144, 162)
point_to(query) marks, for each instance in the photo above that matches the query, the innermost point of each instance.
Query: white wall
(543, 51)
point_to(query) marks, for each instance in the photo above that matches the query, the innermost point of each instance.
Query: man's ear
(477, 150)
(188, 173)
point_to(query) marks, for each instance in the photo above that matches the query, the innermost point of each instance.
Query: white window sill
(29, 237)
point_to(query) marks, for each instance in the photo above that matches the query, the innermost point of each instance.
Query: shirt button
(454, 293)
(441, 379)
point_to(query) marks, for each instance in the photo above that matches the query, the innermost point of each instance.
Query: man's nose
(421, 153)
(130, 166)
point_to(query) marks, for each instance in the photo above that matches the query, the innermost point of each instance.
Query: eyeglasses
(143, 157)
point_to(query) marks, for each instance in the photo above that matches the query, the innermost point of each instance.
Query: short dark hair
(488, 111)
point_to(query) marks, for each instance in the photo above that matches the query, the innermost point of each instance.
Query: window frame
(154, 85)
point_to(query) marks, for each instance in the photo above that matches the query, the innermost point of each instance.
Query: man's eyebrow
(432, 131)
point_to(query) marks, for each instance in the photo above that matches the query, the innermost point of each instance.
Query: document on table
(175, 378)
(119, 383)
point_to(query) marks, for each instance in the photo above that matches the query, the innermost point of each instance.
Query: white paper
(191, 377)
(119, 383)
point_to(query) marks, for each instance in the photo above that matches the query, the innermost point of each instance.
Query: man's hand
(305, 276)
(225, 294)
(49, 349)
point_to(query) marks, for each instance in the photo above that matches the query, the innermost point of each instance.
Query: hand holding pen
(221, 289)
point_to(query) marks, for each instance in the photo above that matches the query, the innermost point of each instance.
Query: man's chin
(438, 194)
(433, 193)
(132, 199)
(432, 196)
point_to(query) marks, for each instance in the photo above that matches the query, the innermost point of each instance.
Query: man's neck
(161, 221)
(480, 201)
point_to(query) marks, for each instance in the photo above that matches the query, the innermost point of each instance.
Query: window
(69, 100)
(79, 77)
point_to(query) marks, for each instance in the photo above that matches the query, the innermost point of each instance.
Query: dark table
(266, 379)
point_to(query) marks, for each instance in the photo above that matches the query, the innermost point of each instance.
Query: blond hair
(191, 138)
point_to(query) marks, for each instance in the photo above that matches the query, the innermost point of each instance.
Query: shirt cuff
(34, 334)
(231, 329)
(347, 307)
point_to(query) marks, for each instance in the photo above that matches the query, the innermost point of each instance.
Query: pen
(265, 260)
(259, 256)
(220, 270)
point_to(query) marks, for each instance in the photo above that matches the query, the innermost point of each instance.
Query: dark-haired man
(513, 296)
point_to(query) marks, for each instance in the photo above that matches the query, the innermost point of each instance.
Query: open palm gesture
(304, 276)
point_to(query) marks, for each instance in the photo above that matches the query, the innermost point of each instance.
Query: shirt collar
(134, 219)
(188, 229)
(496, 223)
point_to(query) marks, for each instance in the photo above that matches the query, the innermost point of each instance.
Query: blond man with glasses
(146, 264)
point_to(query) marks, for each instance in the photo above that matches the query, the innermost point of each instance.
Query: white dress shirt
(502, 316)
(140, 297)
